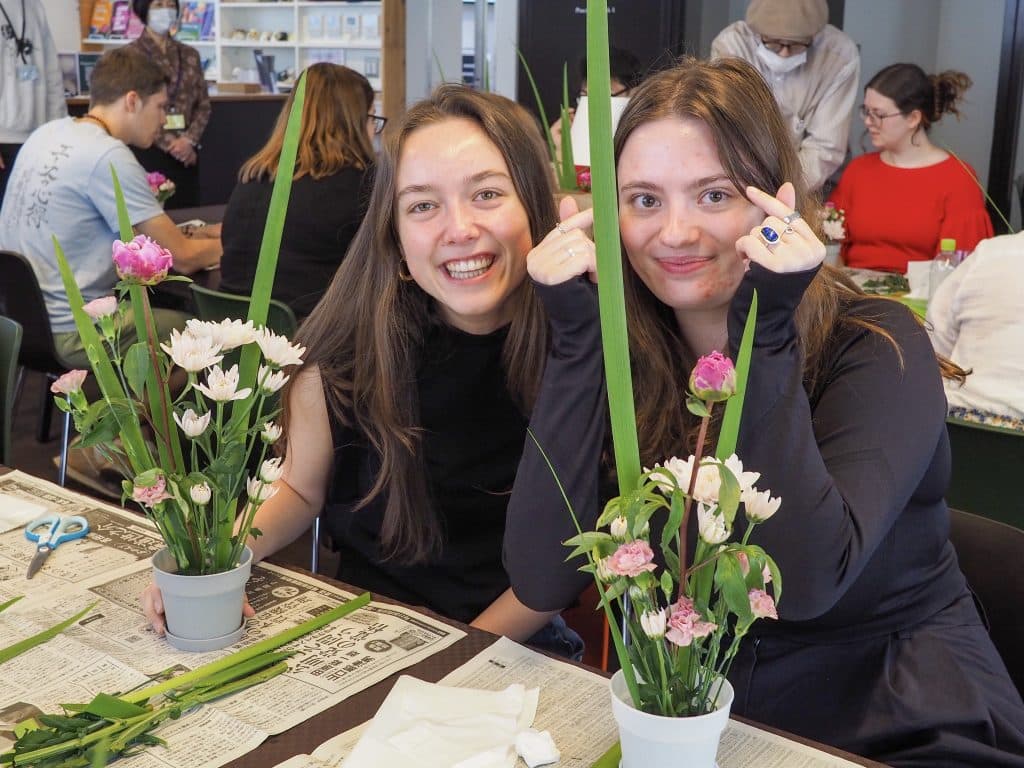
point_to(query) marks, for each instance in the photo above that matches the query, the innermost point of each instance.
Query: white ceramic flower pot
(832, 251)
(202, 613)
(653, 741)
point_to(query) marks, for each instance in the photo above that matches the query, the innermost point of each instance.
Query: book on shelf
(120, 15)
(350, 26)
(208, 32)
(371, 26)
(190, 23)
(332, 26)
(314, 25)
(99, 22)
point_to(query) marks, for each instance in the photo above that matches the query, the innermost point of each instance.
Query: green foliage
(6, 654)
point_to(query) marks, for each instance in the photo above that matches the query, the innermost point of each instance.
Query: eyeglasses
(875, 117)
(378, 123)
(793, 46)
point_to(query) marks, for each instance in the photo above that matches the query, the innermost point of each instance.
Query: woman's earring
(403, 272)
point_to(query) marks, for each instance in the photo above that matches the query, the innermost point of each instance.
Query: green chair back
(10, 346)
(986, 461)
(217, 305)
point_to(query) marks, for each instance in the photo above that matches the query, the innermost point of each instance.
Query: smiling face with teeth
(463, 230)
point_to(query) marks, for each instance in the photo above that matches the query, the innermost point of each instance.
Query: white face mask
(780, 65)
(162, 19)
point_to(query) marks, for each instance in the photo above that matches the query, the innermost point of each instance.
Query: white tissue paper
(918, 277)
(537, 748)
(438, 726)
(17, 513)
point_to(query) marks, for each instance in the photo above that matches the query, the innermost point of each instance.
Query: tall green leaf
(110, 386)
(609, 257)
(6, 654)
(540, 105)
(568, 168)
(734, 406)
(266, 266)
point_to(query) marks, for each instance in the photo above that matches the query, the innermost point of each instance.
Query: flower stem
(689, 494)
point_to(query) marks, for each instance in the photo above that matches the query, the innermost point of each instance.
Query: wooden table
(357, 709)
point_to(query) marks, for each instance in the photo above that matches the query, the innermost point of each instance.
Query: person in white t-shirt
(974, 319)
(812, 68)
(61, 186)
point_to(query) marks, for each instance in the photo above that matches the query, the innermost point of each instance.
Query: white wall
(64, 23)
(433, 36)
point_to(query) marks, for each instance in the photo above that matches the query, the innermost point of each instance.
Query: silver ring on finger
(768, 236)
(794, 216)
(788, 231)
(561, 229)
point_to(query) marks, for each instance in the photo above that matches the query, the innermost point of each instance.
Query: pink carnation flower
(101, 307)
(142, 260)
(153, 494)
(713, 378)
(631, 559)
(69, 382)
(762, 605)
(685, 625)
(155, 179)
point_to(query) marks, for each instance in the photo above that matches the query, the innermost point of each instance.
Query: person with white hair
(812, 68)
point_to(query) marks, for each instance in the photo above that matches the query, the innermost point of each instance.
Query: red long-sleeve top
(895, 215)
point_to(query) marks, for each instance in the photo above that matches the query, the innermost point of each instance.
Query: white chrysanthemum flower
(192, 352)
(259, 491)
(191, 423)
(271, 470)
(271, 433)
(222, 385)
(746, 480)
(271, 380)
(679, 469)
(200, 493)
(231, 334)
(619, 528)
(711, 525)
(196, 327)
(278, 351)
(759, 505)
(654, 623)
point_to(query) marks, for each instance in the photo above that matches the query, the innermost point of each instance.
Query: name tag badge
(175, 122)
(28, 73)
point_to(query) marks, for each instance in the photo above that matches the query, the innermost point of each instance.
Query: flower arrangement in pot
(683, 618)
(833, 226)
(161, 186)
(187, 457)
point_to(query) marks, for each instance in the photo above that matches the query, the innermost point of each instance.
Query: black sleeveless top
(472, 441)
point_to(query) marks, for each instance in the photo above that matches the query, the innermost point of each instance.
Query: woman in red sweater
(901, 200)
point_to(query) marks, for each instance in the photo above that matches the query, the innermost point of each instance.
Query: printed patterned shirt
(186, 88)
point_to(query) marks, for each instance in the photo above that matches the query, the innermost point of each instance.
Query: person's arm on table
(190, 254)
(508, 616)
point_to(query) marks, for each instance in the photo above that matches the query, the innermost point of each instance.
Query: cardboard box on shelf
(236, 87)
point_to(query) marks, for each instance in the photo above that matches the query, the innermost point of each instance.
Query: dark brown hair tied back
(949, 87)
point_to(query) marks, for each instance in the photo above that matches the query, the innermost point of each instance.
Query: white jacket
(25, 105)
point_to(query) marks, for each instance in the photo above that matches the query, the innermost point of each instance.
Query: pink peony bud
(713, 378)
(97, 308)
(631, 559)
(762, 605)
(69, 383)
(155, 179)
(142, 260)
(150, 495)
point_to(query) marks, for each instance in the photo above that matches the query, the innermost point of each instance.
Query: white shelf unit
(337, 31)
(346, 33)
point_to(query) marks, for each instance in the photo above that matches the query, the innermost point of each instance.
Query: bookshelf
(366, 35)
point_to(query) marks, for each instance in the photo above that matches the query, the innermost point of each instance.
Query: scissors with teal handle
(49, 532)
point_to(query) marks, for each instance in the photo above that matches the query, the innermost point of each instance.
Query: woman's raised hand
(567, 251)
(783, 241)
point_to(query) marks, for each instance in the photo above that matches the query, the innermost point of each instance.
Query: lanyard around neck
(21, 44)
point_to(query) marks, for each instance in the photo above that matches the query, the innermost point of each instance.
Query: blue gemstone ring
(769, 236)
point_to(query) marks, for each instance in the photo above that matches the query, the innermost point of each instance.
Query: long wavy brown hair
(334, 133)
(755, 148)
(367, 334)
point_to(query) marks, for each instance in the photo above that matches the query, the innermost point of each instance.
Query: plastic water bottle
(943, 264)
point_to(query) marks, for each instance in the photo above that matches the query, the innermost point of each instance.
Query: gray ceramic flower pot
(202, 613)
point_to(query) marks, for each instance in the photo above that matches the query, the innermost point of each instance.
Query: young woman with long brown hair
(328, 197)
(424, 361)
(879, 648)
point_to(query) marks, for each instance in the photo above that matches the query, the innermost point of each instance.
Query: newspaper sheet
(575, 707)
(112, 648)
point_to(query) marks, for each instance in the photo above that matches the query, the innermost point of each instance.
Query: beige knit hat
(787, 19)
